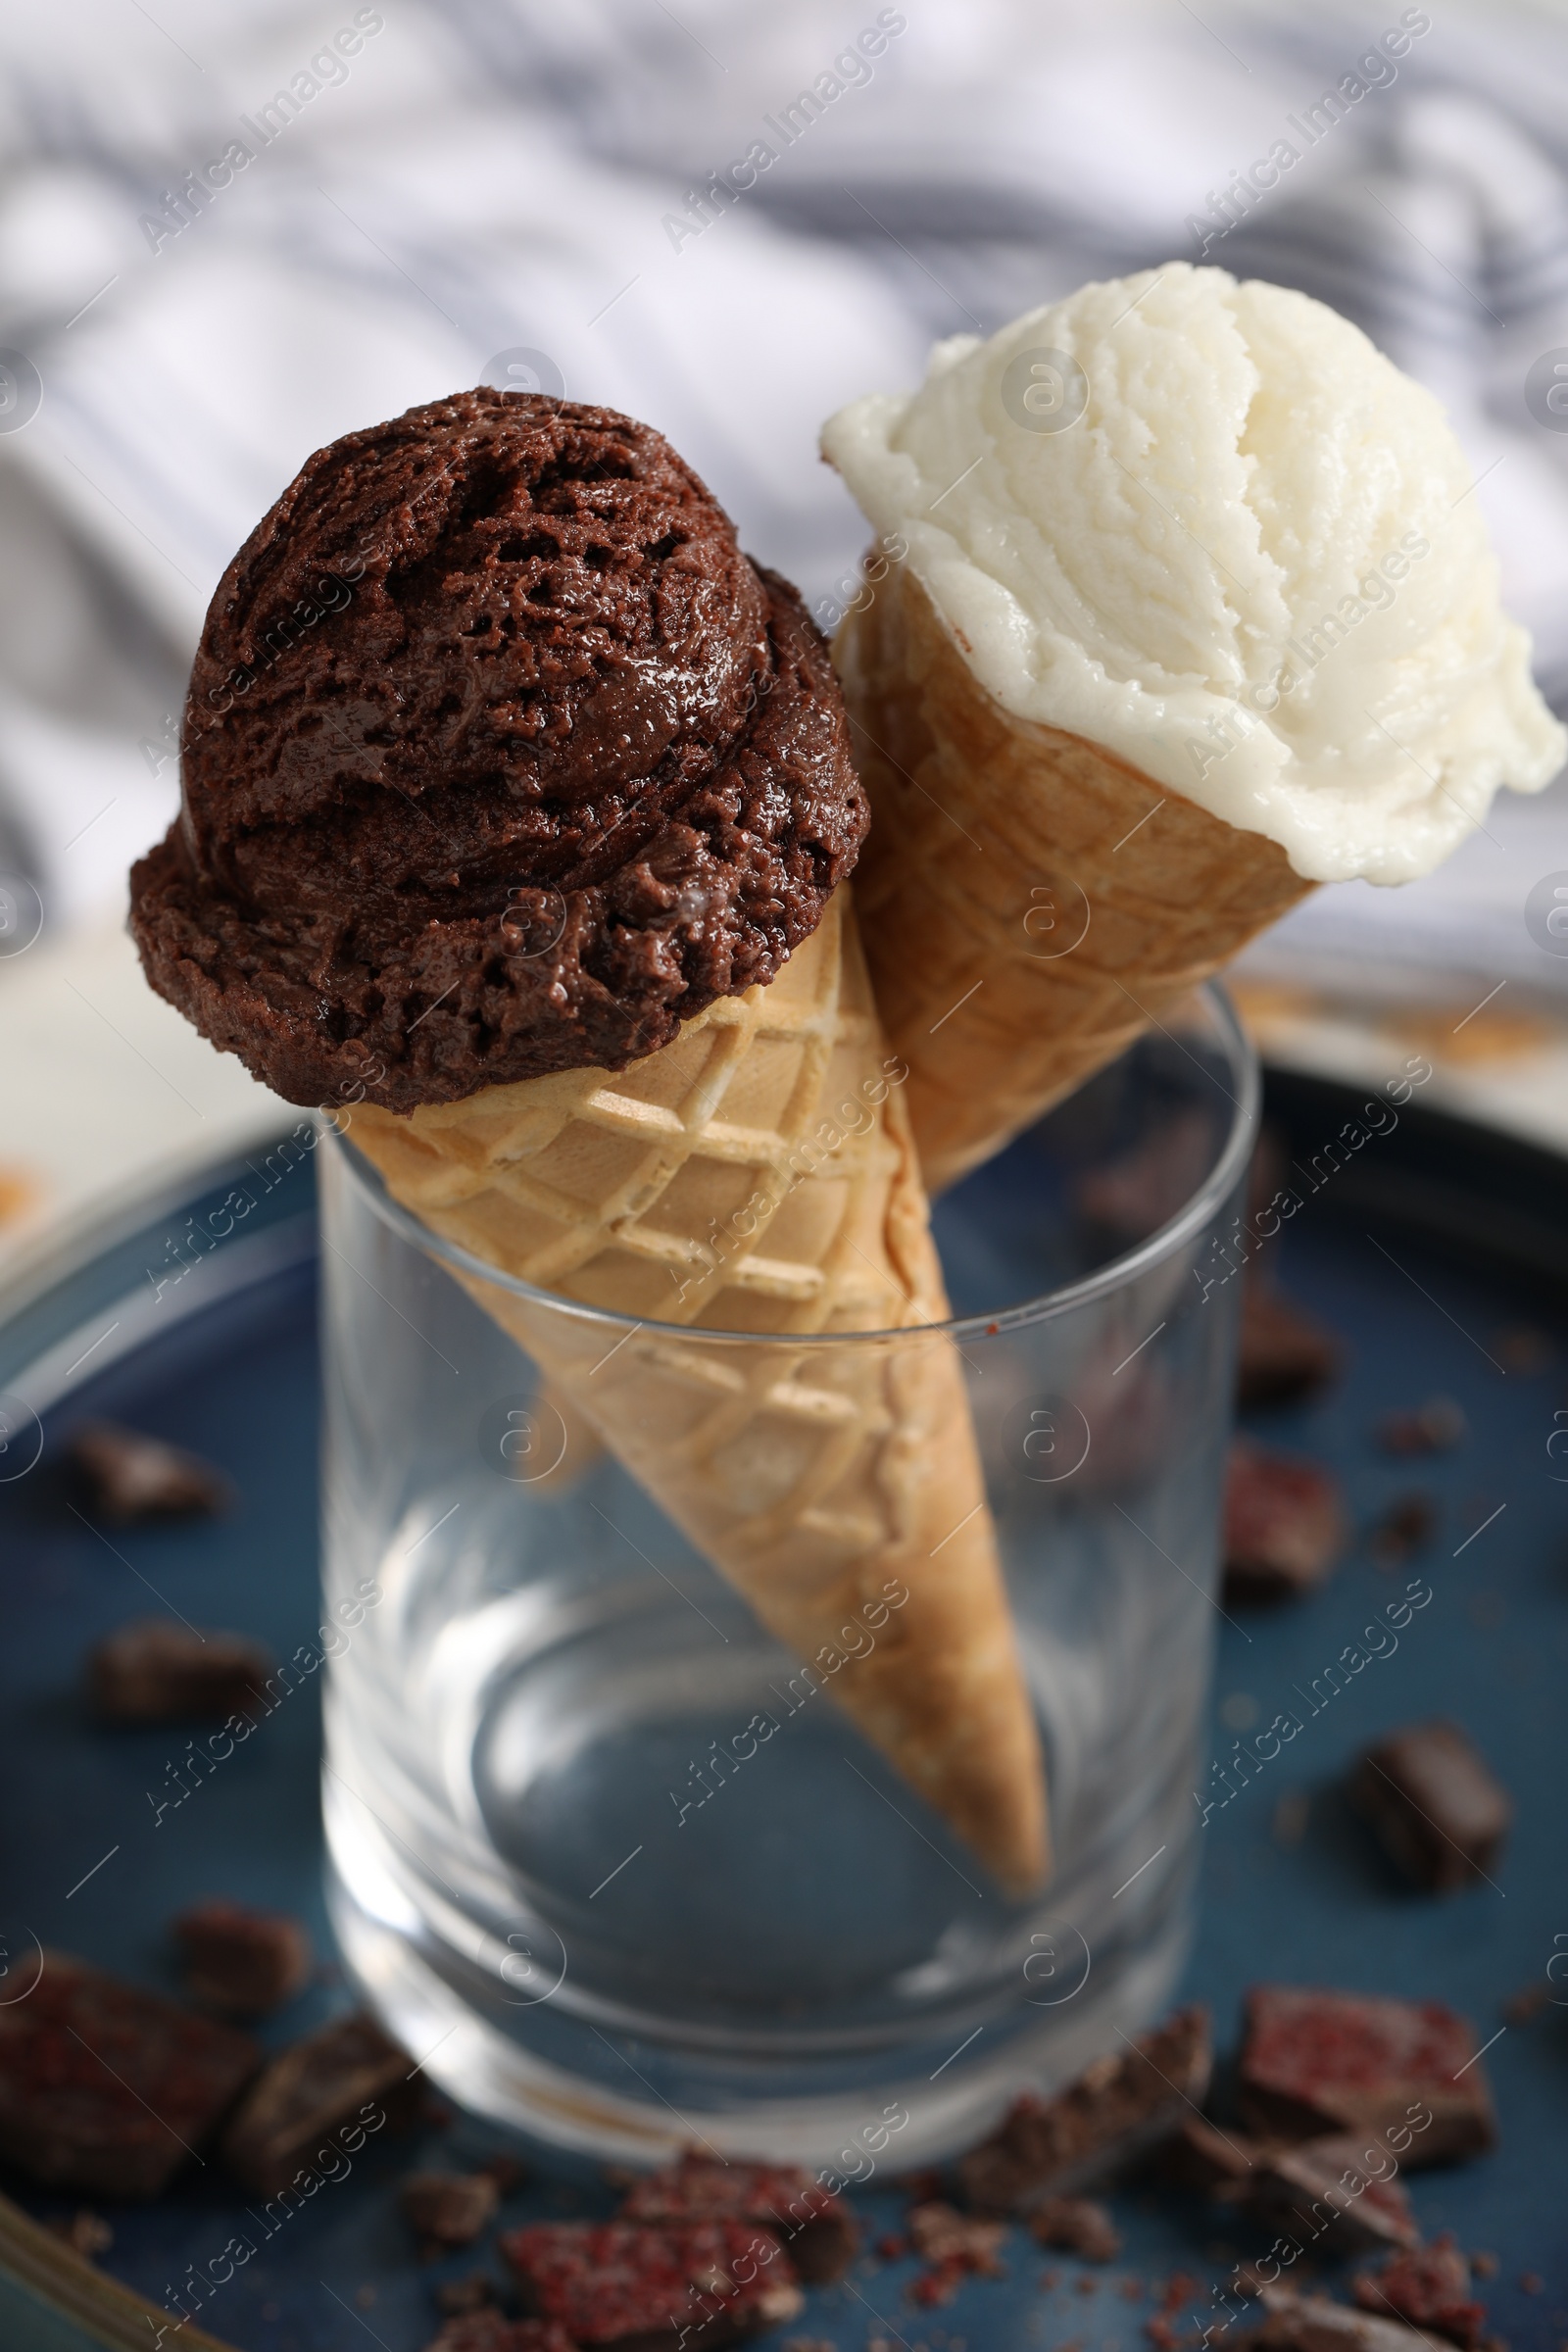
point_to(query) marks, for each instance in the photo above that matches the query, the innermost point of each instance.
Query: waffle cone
(1030, 903)
(757, 1176)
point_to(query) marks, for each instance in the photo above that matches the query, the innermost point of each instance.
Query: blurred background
(401, 199)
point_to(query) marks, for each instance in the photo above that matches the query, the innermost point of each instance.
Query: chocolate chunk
(336, 2087)
(1405, 1527)
(1284, 1353)
(245, 1963)
(126, 1475)
(1076, 2226)
(108, 2088)
(449, 2208)
(1403, 2071)
(1428, 2286)
(1436, 1427)
(1217, 2164)
(155, 1670)
(627, 2284)
(1283, 1525)
(1312, 2323)
(1437, 1811)
(817, 2228)
(490, 2332)
(1330, 2186)
(1119, 2108)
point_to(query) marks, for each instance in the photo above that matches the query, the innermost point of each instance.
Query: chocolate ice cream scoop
(499, 758)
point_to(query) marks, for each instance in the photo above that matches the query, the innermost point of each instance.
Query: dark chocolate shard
(1407, 2072)
(1439, 1813)
(108, 2088)
(125, 1475)
(1284, 1353)
(1283, 1525)
(156, 1670)
(1119, 2109)
(1312, 2323)
(242, 1962)
(642, 2289)
(1337, 2190)
(334, 2089)
(817, 2228)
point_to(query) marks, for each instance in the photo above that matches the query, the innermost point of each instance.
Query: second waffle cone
(1031, 903)
(757, 1176)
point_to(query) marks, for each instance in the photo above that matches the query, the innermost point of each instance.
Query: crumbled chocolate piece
(1329, 2180)
(1283, 1525)
(1312, 2323)
(245, 1963)
(108, 2088)
(491, 2332)
(449, 2208)
(1404, 1527)
(1407, 2071)
(1284, 1353)
(125, 1475)
(1217, 2164)
(154, 1670)
(1436, 1427)
(1428, 2286)
(626, 2284)
(458, 2295)
(85, 2233)
(1119, 2108)
(944, 2236)
(335, 2087)
(506, 2172)
(1076, 2226)
(817, 2228)
(1484, 2266)
(1437, 1811)
(1524, 2007)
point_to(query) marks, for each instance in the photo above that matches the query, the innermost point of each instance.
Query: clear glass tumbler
(612, 1867)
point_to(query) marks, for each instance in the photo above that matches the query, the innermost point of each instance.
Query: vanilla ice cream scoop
(1208, 527)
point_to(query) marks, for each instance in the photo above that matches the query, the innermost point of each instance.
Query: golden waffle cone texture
(757, 1176)
(1030, 903)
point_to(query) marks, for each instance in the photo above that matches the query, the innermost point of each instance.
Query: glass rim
(1116, 1274)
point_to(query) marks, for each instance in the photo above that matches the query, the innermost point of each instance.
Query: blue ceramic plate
(1440, 1251)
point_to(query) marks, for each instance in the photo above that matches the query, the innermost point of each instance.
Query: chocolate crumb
(1076, 2226)
(449, 2208)
(459, 2296)
(1436, 1427)
(125, 1475)
(86, 2233)
(1407, 1524)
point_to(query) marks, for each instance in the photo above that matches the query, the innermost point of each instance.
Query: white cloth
(488, 175)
